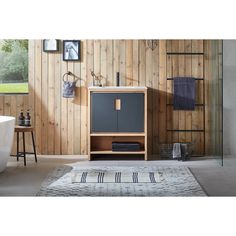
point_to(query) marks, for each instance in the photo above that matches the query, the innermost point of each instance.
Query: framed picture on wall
(50, 45)
(71, 50)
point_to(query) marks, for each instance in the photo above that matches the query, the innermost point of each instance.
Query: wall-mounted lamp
(152, 44)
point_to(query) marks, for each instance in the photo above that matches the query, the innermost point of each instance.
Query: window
(13, 66)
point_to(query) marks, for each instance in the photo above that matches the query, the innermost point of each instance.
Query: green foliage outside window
(13, 66)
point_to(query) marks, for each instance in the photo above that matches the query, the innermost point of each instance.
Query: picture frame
(71, 50)
(50, 45)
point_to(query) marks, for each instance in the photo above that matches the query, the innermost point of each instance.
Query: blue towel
(184, 93)
(68, 89)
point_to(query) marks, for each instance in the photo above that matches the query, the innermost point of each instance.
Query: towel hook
(70, 74)
(66, 74)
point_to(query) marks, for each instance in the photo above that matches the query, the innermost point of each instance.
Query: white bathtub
(7, 124)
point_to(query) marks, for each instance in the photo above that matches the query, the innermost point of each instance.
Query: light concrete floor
(18, 180)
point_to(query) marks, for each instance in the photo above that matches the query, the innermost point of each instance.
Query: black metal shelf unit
(195, 78)
(185, 53)
(200, 105)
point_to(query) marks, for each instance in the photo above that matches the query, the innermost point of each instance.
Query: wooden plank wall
(61, 124)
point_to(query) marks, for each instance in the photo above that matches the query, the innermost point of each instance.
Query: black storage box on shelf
(125, 146)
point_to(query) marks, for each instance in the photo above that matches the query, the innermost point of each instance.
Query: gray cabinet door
(131, 113)
(103, 113)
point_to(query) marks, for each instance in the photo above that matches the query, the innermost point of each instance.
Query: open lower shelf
(115, 152)
(117, 134)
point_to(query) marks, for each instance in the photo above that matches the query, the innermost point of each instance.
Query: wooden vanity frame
(104, 139)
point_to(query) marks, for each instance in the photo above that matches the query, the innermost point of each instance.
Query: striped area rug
(76, 180)
(115, 177)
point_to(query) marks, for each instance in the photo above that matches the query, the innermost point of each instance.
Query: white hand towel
(176, 150)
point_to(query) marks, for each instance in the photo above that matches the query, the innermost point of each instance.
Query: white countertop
(118, 88)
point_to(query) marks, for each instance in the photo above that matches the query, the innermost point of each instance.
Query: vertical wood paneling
(188, 73)
(104, 61)
(64, 118)
(197, 115)
(135, 65)
(116, 59)
(169, 95)
(109, 63)
(1, 105)
(38, 97)
(91, 63)
(208, 72)
(61, 124)
(70, 116)
(44, 110)
(197, 119)
(83, 98)
(77, 110)
(19, 108)
(162, 92)
(97, 56)
(182, 114)
(175, 73)
(122, 63)
(149, 83)
(154, 112)
(7, 105)
(31, 97)
(57, 97)
(142, 62)
(14, 114)
(20, 104)
(129, 62)
(25, 108)
(51, 104)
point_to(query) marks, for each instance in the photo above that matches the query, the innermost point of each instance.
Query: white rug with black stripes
(120, 181)
(107, 176)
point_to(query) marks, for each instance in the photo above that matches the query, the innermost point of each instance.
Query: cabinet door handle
(117, 104)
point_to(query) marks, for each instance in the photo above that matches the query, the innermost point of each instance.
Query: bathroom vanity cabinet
(117, 114)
